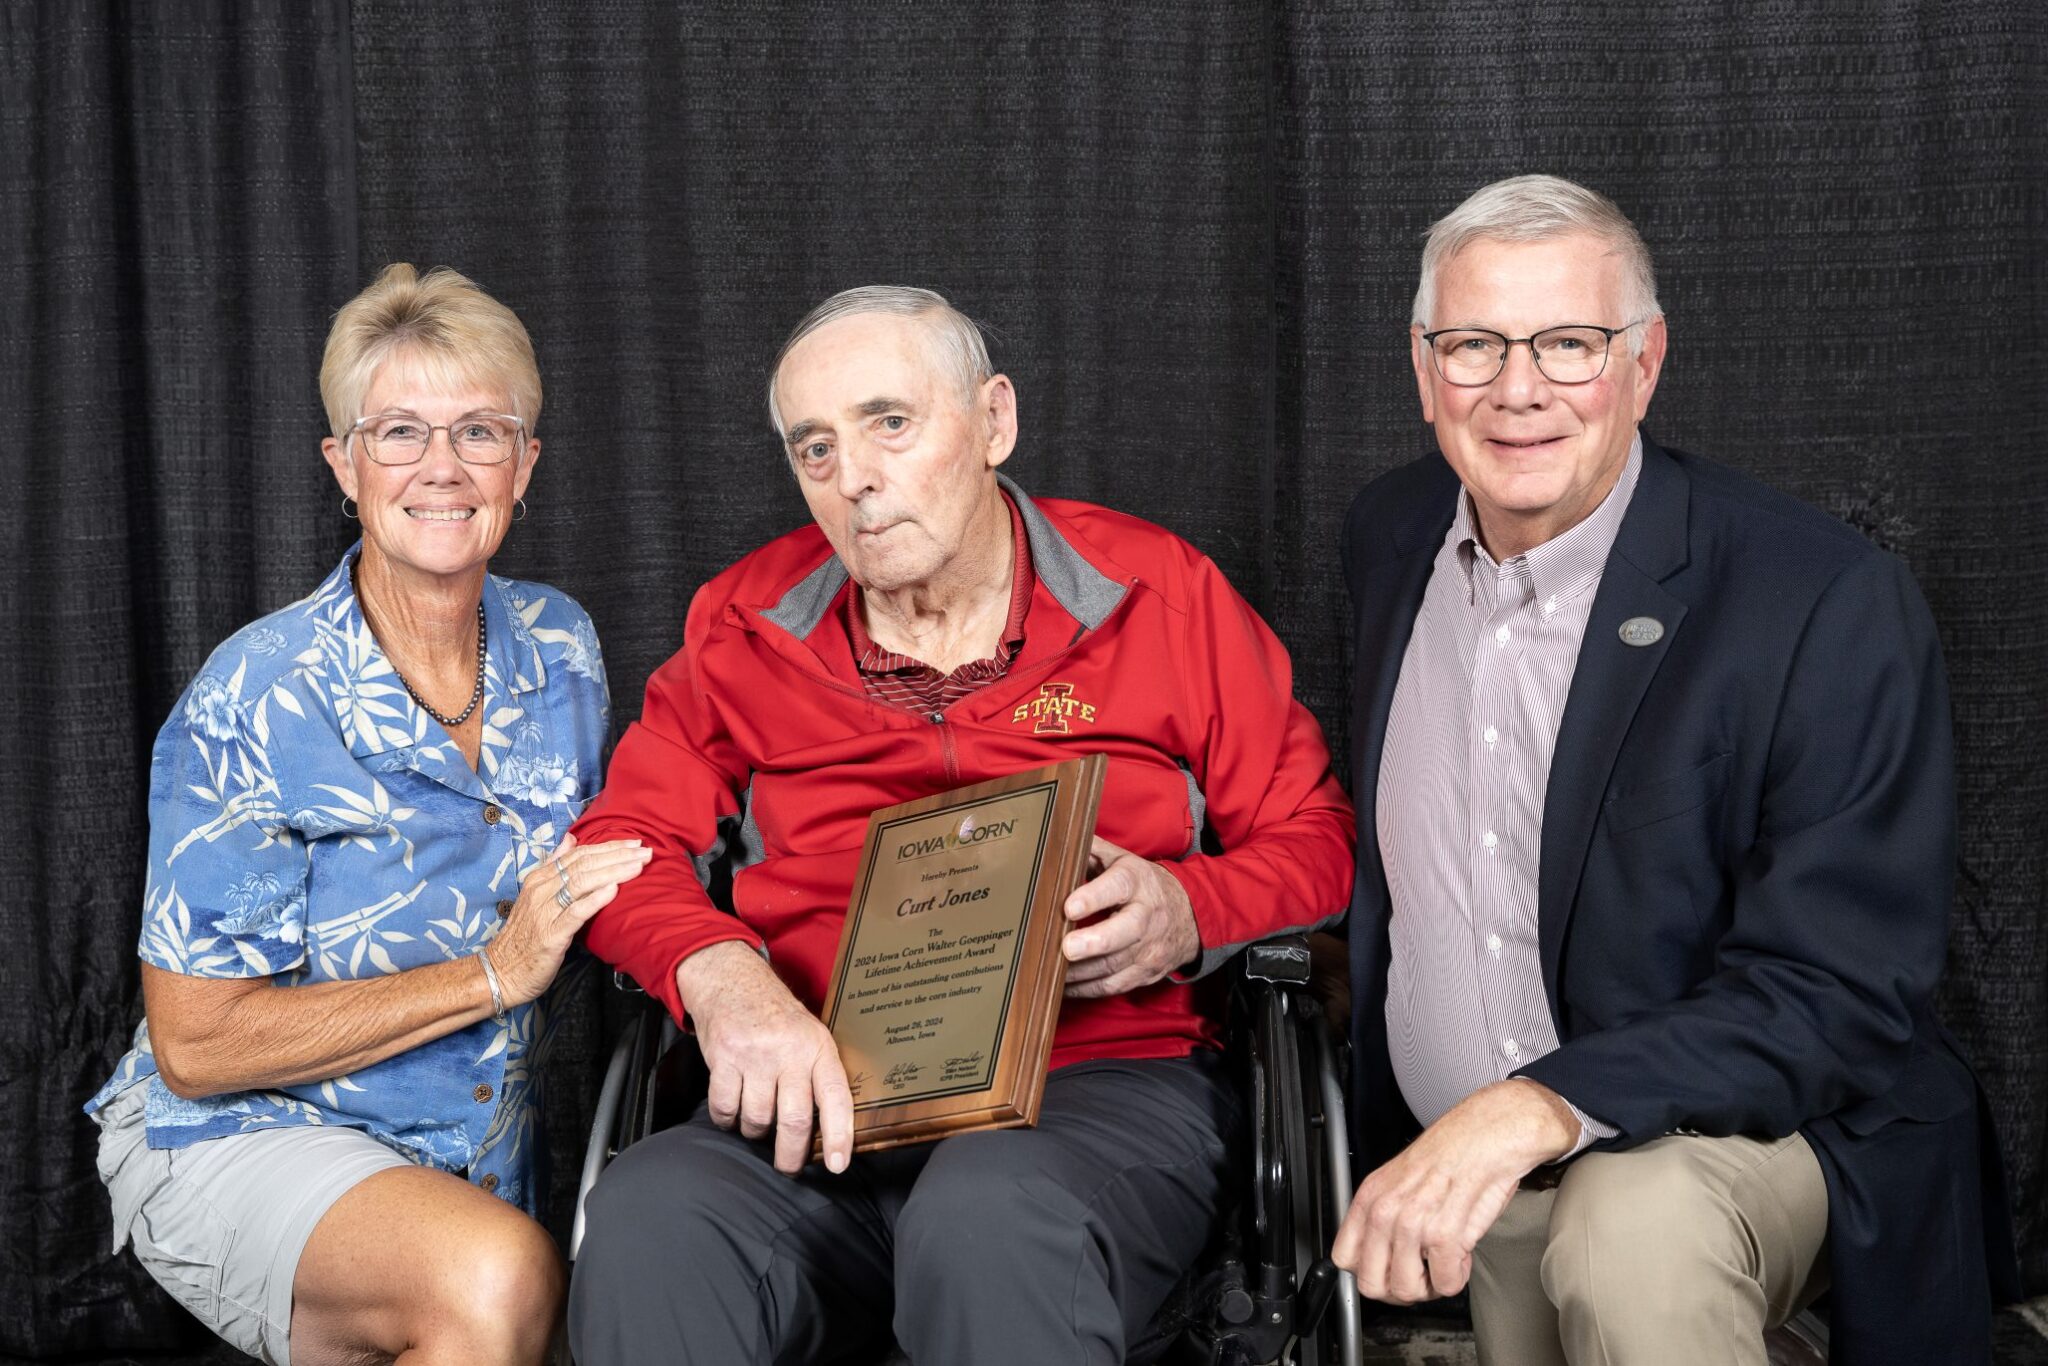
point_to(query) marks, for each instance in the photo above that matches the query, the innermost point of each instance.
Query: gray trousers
(1051, 1244)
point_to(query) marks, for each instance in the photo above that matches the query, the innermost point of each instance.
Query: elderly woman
(360, 889)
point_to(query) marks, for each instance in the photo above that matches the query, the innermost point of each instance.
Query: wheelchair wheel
(1336, 1340)
(1302, 1183)
(1318, 1162)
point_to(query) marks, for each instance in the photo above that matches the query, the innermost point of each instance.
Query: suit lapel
(1388, 597)
(1608, 685)
(1393, 599)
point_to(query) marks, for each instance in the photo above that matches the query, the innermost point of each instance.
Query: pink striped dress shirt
(1460, 806)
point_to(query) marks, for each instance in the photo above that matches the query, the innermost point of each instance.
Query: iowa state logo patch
(1054, 710)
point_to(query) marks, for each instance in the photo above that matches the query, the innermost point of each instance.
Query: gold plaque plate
(949, 978)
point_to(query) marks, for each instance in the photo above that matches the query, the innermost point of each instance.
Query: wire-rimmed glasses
(403, 438)
(1473, 357)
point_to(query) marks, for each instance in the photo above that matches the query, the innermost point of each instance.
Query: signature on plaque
(902, 1074)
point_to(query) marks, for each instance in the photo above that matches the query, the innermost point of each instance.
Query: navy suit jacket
(1744, 878)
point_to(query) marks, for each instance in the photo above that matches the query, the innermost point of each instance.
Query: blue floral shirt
(308, 822)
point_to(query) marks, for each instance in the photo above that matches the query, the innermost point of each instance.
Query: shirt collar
(1565, 566)
(388, 718)
(872, 658)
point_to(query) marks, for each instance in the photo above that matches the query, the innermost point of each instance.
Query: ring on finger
(562, 873)
(562, 897)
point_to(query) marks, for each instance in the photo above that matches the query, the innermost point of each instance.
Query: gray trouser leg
(698, 1251)
(1026, 1245)
(1056, 1244)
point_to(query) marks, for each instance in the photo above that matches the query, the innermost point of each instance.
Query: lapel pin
(1640, 631)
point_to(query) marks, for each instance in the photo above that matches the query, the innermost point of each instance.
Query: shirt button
(1493, 945)
(492, 814)
(1500, 637)
(489, 1183)
(504, 908)
(1491, 735)
(1489, 839)
(1512, 1049)
(483, 1091)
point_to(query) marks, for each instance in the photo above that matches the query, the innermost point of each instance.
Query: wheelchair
(1265, 1293)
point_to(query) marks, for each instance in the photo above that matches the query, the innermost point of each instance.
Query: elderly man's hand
(1411, 1228)
(1148, 931)
(772, 1062)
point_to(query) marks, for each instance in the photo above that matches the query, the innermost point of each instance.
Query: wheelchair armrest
(1282, 960)
(610, 1110)
(625, 1102)
(1286, 1287)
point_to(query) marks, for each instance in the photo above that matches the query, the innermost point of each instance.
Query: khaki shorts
(221, 1224)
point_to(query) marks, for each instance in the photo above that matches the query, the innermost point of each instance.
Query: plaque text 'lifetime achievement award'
(949, 976)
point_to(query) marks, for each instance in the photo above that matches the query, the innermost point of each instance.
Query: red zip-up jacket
(758, 737)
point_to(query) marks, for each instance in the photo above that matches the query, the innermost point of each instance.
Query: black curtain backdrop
(1193, 231)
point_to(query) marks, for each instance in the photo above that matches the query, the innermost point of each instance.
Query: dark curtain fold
(176, 223)
(1193, 232)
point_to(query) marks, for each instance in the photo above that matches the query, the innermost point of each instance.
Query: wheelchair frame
(1269, 1292)
(1274, 1296)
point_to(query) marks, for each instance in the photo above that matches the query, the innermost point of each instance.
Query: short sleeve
(226, 888)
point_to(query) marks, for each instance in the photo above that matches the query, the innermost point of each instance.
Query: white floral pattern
(310, 823)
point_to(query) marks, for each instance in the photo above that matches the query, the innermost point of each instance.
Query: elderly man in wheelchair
(937, 627)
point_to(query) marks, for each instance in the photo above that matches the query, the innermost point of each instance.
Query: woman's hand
(217, 1035)
(528, 951)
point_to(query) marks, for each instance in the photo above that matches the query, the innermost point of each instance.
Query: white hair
(956, 342)
(1539, 208)
(441, 322)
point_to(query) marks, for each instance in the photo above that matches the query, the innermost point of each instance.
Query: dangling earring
(520, 503)
(346, 510)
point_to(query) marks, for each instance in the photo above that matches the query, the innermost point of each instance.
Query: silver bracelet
(497, 993)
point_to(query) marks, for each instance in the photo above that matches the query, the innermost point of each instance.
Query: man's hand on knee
(772, 1062)
(1411, 1228)
(1146, 930)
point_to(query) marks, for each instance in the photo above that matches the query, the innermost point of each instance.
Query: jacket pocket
(1934, 1087)
(1659, 799)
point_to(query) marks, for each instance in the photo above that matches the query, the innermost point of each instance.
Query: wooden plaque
(950, 976)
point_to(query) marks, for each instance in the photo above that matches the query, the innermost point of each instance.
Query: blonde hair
(1538, 208)
(457, 335)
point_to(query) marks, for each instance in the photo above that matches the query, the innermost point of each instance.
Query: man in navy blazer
(1654, 785)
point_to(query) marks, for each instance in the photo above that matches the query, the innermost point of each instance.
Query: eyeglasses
(1472, 357)
(403, 438)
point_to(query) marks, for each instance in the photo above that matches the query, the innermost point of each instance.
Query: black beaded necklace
(476, 694)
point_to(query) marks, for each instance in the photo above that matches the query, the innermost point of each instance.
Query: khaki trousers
(1682, 1251)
